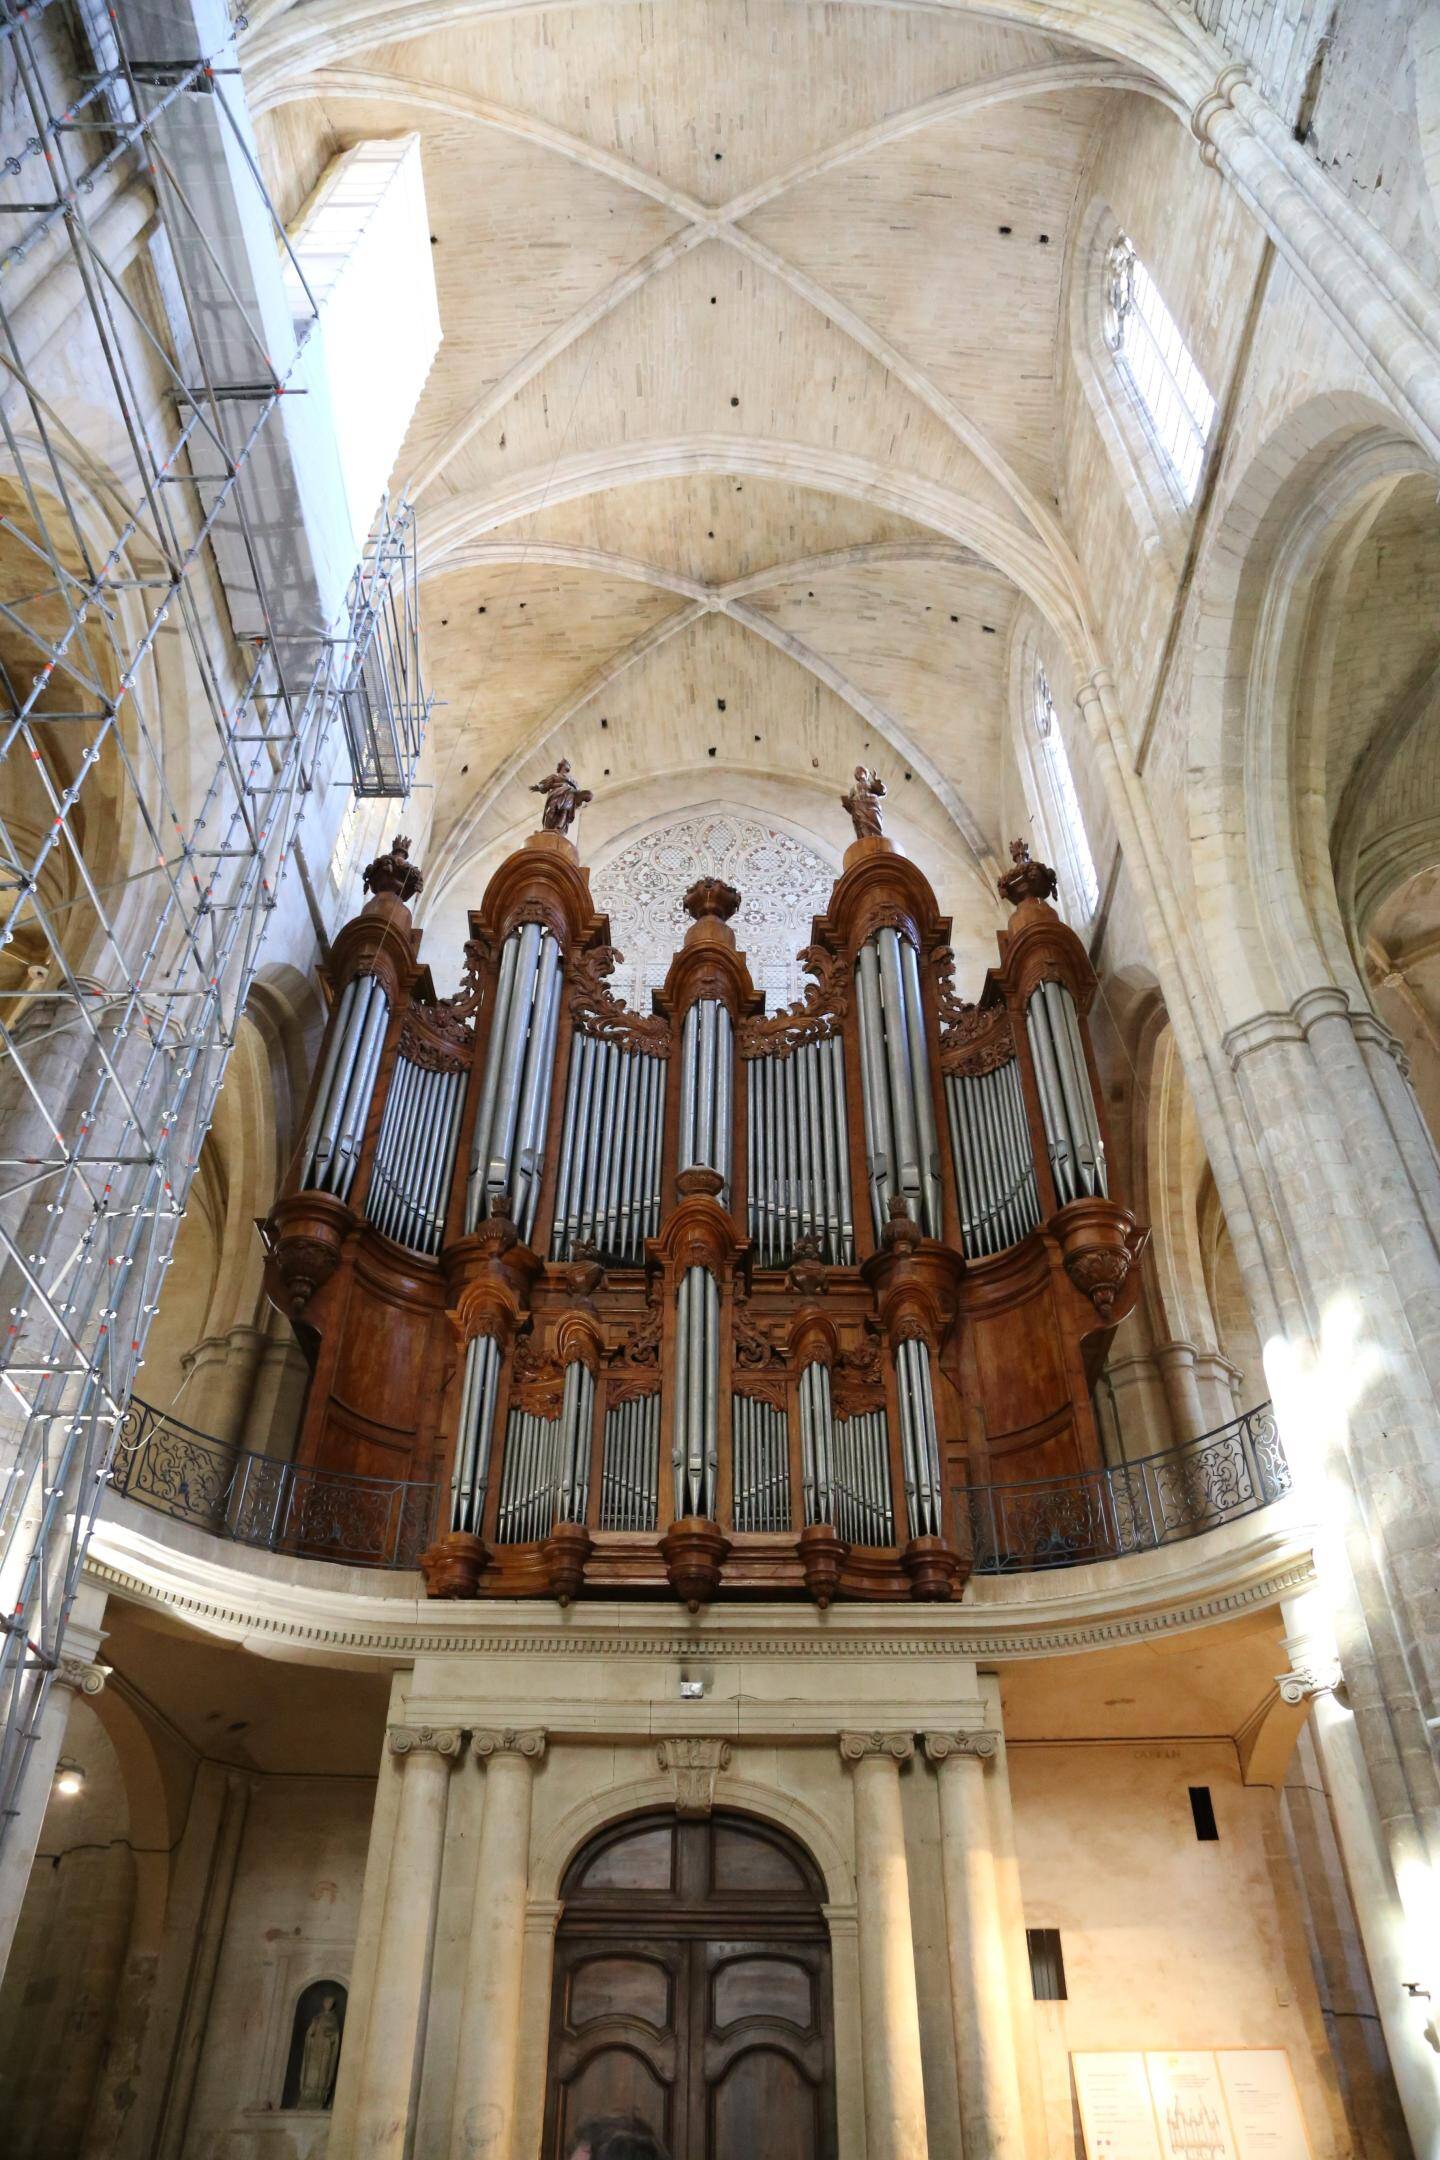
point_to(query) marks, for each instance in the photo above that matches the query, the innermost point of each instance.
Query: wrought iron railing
(258, 1500)
(1126, 1507)
(1004, 1529)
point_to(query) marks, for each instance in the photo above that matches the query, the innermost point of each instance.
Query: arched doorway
(692, 1985)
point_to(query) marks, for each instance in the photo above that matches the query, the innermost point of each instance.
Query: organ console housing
(706, 1296)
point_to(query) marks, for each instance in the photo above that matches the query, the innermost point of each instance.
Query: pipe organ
(602, 1277)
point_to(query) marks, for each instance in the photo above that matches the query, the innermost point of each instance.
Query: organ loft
(707, 1300)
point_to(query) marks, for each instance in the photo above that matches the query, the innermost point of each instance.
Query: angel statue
(863, 803)
(563, 800)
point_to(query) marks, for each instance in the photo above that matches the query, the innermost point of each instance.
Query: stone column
(1378, 303)
(483, 2112)
(1400, 1948)
(185, 2067)
(889, 2002)
(992, 2127)
(76, 1674)
(395, 2033)
(1176, 1361)
(219, 1382)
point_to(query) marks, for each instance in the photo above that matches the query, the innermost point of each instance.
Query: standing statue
(863, 803)
(319, 2055)
(562, 798)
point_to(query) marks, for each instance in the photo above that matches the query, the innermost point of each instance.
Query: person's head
(617, 2137)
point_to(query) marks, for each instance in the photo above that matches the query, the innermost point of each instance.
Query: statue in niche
(863, 803)
(563, 799)
(316, 2033)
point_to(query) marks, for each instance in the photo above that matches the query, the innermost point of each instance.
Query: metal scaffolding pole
(154, 765)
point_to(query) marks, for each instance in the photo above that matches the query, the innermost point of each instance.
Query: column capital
(1216, 102)
(1095, 689)
(406, 1740)
(81, 1675)
(981, 1746)
(1309, 1677)
(491, 1741)
(856, 1747)
(694, 1763)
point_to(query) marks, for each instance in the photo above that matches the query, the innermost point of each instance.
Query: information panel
(1190, 2104)
(1116, 2112)
(1264, 2106)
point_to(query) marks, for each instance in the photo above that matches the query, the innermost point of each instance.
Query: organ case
(705, 1297)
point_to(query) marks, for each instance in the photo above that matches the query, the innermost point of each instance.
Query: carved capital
(694, 1764)
(79, 1674)
(505, 1740)
(941, 1746)
(1308, 1678)
(404, 1741)
(856, 1747)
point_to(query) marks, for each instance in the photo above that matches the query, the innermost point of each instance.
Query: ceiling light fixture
(69, 1777)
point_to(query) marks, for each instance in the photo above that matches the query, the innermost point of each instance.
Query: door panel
(692, 1987)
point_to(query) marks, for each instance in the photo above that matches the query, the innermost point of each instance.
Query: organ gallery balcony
(706, 1300)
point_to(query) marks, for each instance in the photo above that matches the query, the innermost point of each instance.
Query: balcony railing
(258, 1500)
(1126, 1507)
(1003, 1529)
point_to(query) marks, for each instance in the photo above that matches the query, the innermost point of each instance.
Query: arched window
(1158, 366)
(1067, 826)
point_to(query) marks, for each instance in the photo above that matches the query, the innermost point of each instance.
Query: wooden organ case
(705, 1296)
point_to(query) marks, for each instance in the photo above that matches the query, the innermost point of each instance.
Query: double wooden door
(692, 1988)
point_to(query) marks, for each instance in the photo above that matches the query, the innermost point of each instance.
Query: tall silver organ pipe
(347, 1085)
(694, 1449)
(760, 1464)
(528, 1478)
(1072, 1129)
(577, 1415)
(919, 1439)
(798, 1153)
(994, 1162)
(817, 1443)
(608, 1190)
(902, 1149)
(864, 1513)
(471, 1479)
(707, 1078)
(630, 1465)
(415, 1154)
(507, 1152)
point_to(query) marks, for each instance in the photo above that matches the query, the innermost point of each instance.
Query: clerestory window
(1054, 759)
(1158, 366)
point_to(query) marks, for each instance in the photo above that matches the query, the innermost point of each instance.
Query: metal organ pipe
(799, 1179)
(694, 1451)
(817, 1443)
(528, 1477)
(508, 1148)
(577, 1411)
(901, 1147)
(470, 1481)
(919, 1440)
(706, 1085)
(760, 1459)
(994, 1166)
(630, 1465)
(347, 1086)
(1072, 1128)
(608, 1188)
(863, 1511)
(415, 1155)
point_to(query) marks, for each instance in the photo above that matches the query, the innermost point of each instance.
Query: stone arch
(1268, 933)
(553, 1854)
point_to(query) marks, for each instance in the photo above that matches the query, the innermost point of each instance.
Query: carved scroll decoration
(437, 1038)
(974, 1039)
(595, 1007)
(816, 1017)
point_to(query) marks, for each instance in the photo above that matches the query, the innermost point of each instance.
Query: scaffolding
(164, 714)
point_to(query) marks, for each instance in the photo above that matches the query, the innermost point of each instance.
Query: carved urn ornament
(393, 873)
(1027, 880)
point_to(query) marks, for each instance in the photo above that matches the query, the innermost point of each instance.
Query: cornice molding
(287, 1608)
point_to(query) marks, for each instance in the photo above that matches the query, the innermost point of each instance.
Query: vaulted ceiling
(740, 452)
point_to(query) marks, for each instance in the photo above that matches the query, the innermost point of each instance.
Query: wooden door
(692, 1988)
